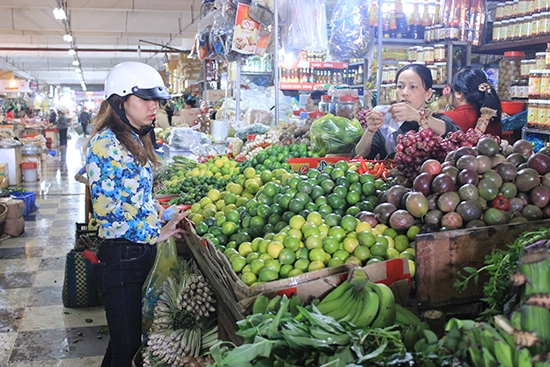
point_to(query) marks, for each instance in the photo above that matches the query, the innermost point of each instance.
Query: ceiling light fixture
(59, 14)
(67, 37)
(72, 52)
(76, 62)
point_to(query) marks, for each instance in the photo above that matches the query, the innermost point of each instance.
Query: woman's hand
(374, 121)
(404, 112)
(160, 210)
(172, 228)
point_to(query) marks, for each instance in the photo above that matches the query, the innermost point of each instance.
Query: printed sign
(246, 31)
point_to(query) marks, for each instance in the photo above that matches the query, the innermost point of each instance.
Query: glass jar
(527, 24)
(441, 72)
(411, 54)
(509, 9)
(419, 54)
(346, 106)
(496, 31)
(533, 113)
(428, 34)
(392, 74)
(428, 55)
(385, 75)
(439, 33)
(439, 53)
(526, 66)
(543, 109)
(324, 105)
(514, 89)
(540, 60)
(509, 70)
(512, 28)
(504, 30)
(534, 84)
(523, 88)
(522, 8)
(500, 12)
(545, 84)
(535, 25)
(435, 74)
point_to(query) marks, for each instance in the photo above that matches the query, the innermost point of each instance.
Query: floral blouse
(121, 191)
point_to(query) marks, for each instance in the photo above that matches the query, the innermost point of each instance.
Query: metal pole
(275, 60)
(380, 38)
(238, 89)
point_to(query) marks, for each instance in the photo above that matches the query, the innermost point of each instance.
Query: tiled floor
(35, 328)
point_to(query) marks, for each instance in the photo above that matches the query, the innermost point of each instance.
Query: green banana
(361, 305)
(488, 359)
(273, 305)
(504, 353)
(487, 340)
(357, 278)
(369, 311)
(386, 313)
(405, 317)
(328, 307)
(357, 300)
(337, 292)
(260, 304)
(345, 307)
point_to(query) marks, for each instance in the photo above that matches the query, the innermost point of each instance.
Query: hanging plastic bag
(306, 24)
(351, 32)
(334, 134)
(165, 261)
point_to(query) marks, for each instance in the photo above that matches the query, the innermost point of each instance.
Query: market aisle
(35, 328)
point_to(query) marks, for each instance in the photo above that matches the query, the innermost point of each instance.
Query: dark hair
(190, 102)
(473, 83)
(109, 119)
(316, 96)
(423, 72)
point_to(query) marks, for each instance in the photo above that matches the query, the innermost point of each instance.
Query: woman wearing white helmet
(120, 162)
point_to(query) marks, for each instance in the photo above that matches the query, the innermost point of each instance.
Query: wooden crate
(439, 256)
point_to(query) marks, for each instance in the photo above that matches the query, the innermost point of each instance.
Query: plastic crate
(515, 122)
(29, 198)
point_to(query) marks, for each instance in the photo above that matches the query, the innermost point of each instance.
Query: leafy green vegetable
(499, 264)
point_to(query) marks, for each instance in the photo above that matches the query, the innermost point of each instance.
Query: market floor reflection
(35, 329)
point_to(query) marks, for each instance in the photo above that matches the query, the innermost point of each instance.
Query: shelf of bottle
(314, 65)
(402, 41)
(533, 44)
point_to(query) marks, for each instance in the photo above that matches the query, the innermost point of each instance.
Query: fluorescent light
(59, 14)
(76, 62)
(72, 52)
(78, 70)
(68, 38)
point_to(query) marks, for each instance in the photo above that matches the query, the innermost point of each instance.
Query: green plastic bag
(334, 134)
(165, 261)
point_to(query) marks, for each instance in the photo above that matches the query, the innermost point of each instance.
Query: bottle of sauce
(416, 30)
(373, 18)
(400, 20)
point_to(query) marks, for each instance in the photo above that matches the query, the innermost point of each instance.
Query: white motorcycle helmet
(136, 78)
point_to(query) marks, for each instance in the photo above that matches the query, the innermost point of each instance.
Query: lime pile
(275, 224)
(276, 156)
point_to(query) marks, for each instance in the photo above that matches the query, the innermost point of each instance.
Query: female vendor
(385, 123)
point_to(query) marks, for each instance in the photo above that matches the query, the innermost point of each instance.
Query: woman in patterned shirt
(120, 163)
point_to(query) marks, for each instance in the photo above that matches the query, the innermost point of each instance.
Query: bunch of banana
(180, 329)
(360, 302)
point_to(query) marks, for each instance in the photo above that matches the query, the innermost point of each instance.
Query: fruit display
(184, 326)
(276, 156)
(192, 183)
(295, 224)
(413, 148)
(486, 184)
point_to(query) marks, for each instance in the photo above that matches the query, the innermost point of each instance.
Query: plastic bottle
(373, 18)
(400, 20)
(170, 213)
(416, 30)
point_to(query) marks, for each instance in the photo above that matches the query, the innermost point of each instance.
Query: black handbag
(79, 284)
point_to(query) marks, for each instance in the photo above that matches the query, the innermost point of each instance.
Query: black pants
(62, 137)
(123, 268)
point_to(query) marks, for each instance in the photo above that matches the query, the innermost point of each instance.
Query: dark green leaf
(247, 352)
(375, 353)
(470, 269)
(274, 327)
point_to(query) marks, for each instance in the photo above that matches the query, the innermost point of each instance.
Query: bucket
(29, 171)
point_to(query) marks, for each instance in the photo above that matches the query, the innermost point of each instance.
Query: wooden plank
(439, 256)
